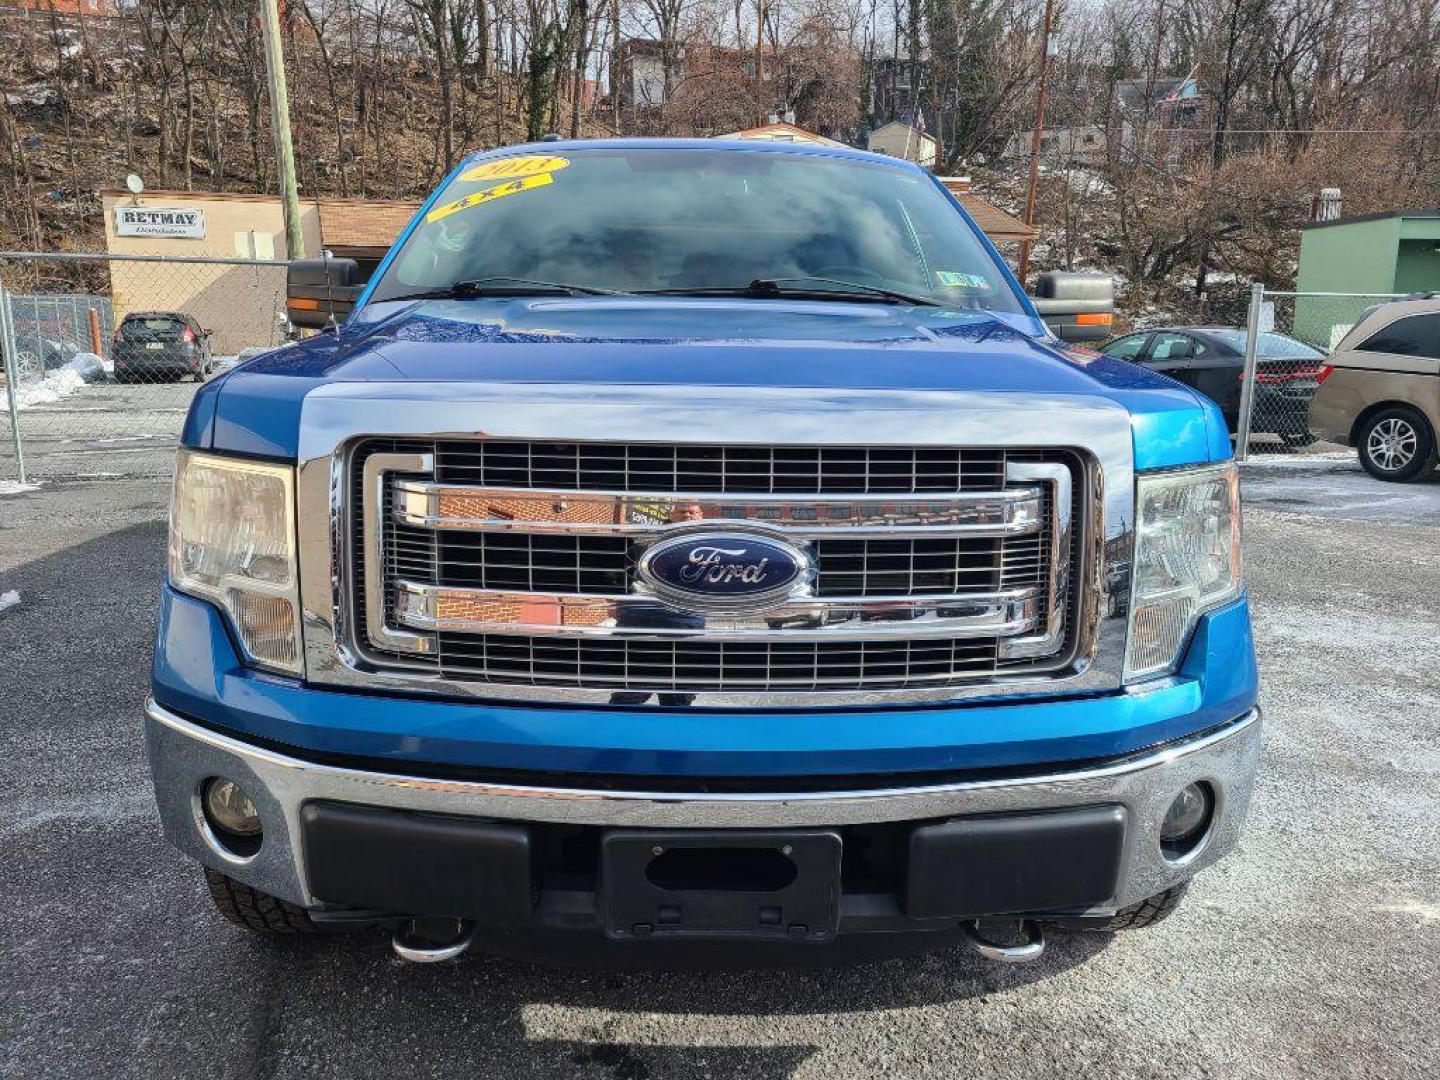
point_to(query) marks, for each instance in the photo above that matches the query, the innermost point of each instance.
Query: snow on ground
(1213, 278)
(57, 384)
(14, 487)
(1086, 182)
(1300, 461)
(1332, 485)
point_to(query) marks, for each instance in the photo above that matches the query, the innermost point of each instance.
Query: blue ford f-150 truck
(695, 550)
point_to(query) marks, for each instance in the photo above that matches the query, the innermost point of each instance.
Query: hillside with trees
(1183, 145)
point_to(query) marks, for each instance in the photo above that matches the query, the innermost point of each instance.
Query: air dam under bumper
(1024, 829)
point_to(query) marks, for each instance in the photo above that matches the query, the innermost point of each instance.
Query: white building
(782, 131)
(1083, 144)
(903, 141)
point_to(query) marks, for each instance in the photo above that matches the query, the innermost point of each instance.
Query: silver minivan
(1381, 393)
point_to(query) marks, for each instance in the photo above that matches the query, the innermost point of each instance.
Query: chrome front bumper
(183, 755)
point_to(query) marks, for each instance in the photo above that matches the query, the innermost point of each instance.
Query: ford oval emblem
(725, 571)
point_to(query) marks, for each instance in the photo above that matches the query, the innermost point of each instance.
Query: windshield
(160, 325)
(1271, 346)
(651, 220)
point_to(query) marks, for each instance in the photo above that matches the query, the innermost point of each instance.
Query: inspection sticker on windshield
(529, 165)
(954, 280)
(490, 194)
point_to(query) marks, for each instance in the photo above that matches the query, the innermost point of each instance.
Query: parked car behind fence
(1212, 360)
(160, 346)
(36, 354)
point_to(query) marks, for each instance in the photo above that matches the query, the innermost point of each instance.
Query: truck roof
(762, 146)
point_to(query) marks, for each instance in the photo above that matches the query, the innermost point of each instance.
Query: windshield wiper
(505, 285)
(762, 288)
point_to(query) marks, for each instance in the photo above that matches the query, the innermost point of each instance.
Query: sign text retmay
(160, 221)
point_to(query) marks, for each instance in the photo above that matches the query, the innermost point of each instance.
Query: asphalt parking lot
(101, 431)
(1315, 951)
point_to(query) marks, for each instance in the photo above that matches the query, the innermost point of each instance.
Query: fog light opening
(1187, 822)
(231, 820)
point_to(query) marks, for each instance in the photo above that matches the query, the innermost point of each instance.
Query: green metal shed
(1397, 252)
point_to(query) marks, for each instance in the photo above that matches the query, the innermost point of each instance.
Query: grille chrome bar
(1046, 643)
(439, 607)
(372, 509)
(423, 504)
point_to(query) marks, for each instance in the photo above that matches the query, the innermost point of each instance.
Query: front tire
(1147, 912)
(1397, 444)
(258, 912)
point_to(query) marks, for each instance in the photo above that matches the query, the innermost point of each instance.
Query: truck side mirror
(1077, 307)
(319, 292)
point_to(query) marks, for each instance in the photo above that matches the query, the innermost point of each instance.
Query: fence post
(1247, 375)
(12, 377)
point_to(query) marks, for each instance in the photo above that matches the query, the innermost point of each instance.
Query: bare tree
(317, 17)
(432, 21)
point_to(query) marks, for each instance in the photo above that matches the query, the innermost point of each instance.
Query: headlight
(232, 541)
(1187, 561)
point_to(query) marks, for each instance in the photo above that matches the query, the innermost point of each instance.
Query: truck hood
(673, 341)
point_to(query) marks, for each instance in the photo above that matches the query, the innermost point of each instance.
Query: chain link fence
(1289, 336)
(103, 354)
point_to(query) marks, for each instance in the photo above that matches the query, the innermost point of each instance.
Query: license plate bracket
(775, 885)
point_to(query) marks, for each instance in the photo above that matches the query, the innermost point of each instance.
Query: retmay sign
(158, 221)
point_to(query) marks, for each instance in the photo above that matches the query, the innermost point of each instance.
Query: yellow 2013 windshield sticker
(505, 168)
(490, 194)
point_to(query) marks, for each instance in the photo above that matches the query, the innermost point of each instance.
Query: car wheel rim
(1392, 443)
(29, 367)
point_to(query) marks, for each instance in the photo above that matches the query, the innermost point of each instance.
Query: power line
(1308, 131)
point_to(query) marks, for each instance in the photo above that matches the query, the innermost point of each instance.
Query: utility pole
(760, 59)
(615, 64)
(280, 121)
(1035, 141)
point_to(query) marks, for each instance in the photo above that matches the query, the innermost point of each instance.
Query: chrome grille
(659, 666)
(490, 578)
(914, 566)
(604, 565)
(530, 562)
(727, 469)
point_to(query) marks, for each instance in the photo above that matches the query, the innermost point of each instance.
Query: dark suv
(160, 346)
